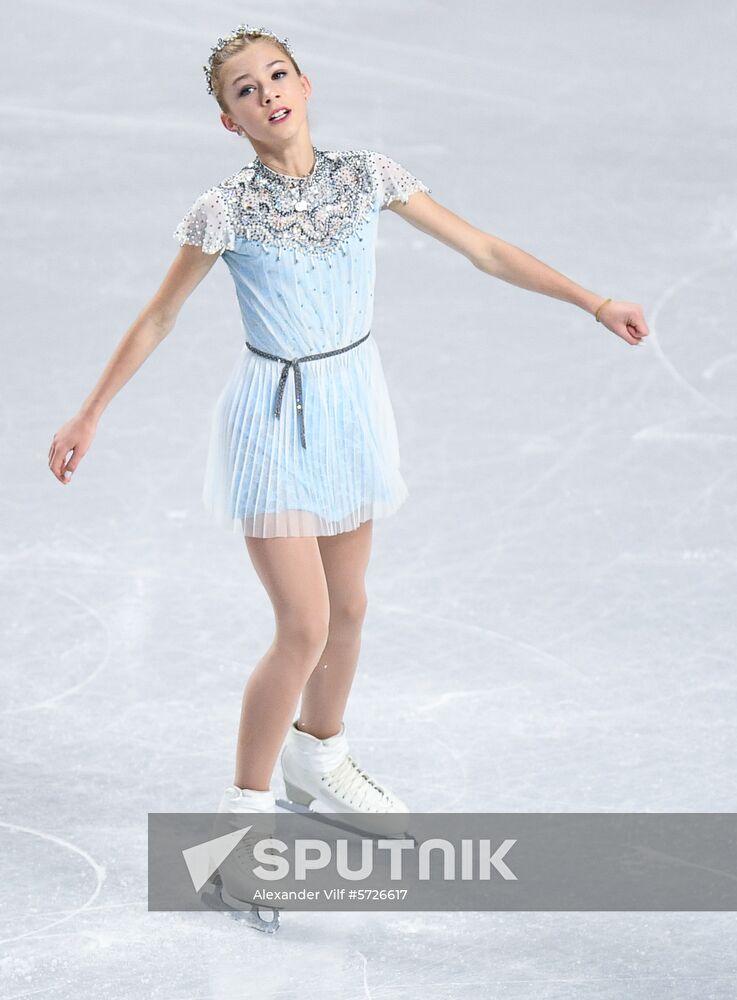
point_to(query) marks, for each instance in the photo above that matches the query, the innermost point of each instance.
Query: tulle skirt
(260, 481)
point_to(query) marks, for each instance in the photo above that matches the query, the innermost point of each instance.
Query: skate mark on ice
(667, 294)
(366, 990)
(99, 870)
(102, 665)
(563, 666)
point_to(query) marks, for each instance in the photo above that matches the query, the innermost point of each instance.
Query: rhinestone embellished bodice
(316, 213)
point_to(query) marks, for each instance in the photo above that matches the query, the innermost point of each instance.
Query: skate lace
(354, 785)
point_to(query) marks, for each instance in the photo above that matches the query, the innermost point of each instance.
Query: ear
(228, 123)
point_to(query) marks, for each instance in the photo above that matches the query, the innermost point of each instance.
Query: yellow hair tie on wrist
(596, 314)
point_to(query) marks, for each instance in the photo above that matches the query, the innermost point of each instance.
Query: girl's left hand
(626, 320)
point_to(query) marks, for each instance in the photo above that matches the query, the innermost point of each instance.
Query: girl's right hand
(76, 436)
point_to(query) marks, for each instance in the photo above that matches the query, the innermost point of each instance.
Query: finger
(626, 335)
(58, 469)
(66, 473)
(641, 324)
(637, 324)
(55, 465)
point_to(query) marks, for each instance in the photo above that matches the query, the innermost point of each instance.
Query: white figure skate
(233, 884)
(320, 776)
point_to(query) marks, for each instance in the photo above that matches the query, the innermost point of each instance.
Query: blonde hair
(233, 48)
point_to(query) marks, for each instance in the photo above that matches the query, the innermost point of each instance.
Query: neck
(296, 160)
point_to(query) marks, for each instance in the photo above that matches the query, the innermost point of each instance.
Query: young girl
(303, 453)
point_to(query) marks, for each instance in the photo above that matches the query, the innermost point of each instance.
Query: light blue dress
(301, 252)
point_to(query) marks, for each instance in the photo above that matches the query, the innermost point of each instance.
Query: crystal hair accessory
(239, 32)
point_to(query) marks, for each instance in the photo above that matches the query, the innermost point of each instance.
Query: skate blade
(324, 817)
(250, 913)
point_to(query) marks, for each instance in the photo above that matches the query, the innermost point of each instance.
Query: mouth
(280, 115)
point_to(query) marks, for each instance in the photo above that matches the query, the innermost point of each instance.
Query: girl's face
(258, 81)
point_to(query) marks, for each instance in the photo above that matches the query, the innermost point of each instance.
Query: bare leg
(345, 558)
(291, 570)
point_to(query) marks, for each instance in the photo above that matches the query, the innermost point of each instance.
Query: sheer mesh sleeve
(393, 180)
(208, 223)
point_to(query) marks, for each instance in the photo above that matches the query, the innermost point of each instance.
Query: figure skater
(300, 466)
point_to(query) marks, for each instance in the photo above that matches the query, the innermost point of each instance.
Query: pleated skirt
(260, 481)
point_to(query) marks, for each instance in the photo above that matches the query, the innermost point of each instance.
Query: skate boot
(322, 775)
(234, 883)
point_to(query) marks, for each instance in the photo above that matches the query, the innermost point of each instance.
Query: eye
(277, 72)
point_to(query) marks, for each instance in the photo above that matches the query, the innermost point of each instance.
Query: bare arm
(155, 321)
(504, 260)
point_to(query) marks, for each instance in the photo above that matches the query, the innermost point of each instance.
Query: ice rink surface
(551, 613)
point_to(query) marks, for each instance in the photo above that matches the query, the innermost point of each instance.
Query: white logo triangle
(203, 859)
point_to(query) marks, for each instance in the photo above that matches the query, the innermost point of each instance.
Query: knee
(348, 612)
(305, 636)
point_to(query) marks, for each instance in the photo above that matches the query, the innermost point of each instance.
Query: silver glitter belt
(295, 363)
